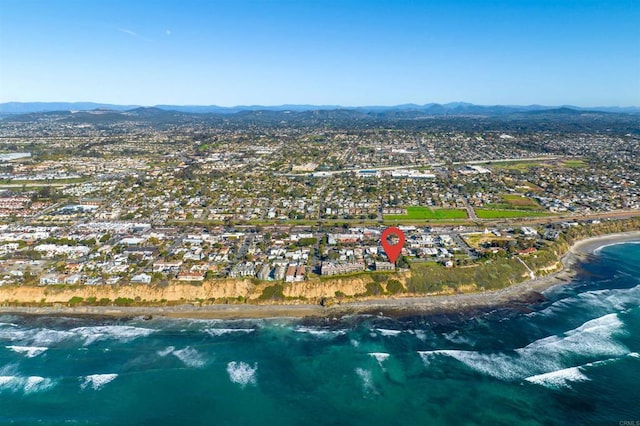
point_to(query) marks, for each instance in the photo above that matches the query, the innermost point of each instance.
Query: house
(94, 281)
(384, 266)
(527, 251)
(48, 279)
(72, 279)
(265, 272)
(330, 268)
(141, 278)
(300, 270)
(290, 275)
(166, 267)
(190, 276)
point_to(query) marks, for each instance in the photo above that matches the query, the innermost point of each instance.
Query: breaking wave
(319, 332)
(31, 384)
(28, 351)
(121, 333)
(558, 378)
(40, 337)
(592, 340)
(387, 333)
(242, 373)
(216, 332)
(97, 381)
(190, 357)
(166, 351)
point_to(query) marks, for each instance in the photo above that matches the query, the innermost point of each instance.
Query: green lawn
(426, 213)
(515, 165)
(574, 164)
(503, 214)
(514, 202)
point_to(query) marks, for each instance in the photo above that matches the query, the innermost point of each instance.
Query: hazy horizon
(328, 105)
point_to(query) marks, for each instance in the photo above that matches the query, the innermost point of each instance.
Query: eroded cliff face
(319, 289)
(145, 293)
(311, 290)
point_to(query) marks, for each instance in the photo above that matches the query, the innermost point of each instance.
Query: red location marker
(392, 250)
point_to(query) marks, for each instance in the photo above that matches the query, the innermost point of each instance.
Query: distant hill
(453, 108)
(27, 107)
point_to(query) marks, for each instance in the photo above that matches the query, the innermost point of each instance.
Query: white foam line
(558, 378)
(28, 351)
(599, 249)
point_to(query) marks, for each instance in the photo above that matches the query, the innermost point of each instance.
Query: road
(414, 166)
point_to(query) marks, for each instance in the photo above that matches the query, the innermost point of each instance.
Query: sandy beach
(518, 295)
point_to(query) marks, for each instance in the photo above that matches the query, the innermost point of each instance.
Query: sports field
(503, 214)
(426, 213)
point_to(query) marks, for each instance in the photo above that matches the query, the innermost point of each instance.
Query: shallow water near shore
(573, 358)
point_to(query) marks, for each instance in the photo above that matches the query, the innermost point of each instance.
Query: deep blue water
(571, 360)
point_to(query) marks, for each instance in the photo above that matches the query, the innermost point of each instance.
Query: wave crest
(97, 381)
(242, 373)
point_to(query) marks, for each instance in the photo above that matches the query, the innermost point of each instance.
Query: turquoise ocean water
(571, 360)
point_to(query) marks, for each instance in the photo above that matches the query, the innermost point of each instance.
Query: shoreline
(515, 296)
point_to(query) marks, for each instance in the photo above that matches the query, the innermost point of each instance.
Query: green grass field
(514, 202)
(574, 164)
(504, 214)
(425, 213)
(515, 165)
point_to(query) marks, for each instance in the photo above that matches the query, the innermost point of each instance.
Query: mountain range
(453, 108)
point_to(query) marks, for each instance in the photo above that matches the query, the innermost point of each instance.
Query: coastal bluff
(214, 291)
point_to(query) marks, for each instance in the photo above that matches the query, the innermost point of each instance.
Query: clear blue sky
(347, 52)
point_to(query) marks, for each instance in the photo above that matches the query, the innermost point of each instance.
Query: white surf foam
(190, 357)
(31, 384)
(558, 378)
(121, 333)
(599, 302)
(380, 357)
(367, 380)
(34, 337)
(242, 373)
(319, 332)
(456, 337)
(498, 365)
(97, 381)
(387, 333)
(215, 332)
(599, 249)
(420, 334)
(28, 351)
(166, 351)
(593, 339)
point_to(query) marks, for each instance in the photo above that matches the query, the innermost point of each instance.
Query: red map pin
(392, 250)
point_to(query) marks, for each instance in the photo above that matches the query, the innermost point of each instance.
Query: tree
(394, 287)
(403, 262)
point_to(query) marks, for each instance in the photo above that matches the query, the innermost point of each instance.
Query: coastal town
(104, 198)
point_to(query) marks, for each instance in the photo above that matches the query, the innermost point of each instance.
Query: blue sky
(346, 52)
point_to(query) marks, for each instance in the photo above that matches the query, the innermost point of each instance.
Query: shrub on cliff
(274, 292)
(75, 300)
(394, 287)
(374, 289)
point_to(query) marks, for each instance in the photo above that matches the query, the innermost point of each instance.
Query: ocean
(574, 359)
